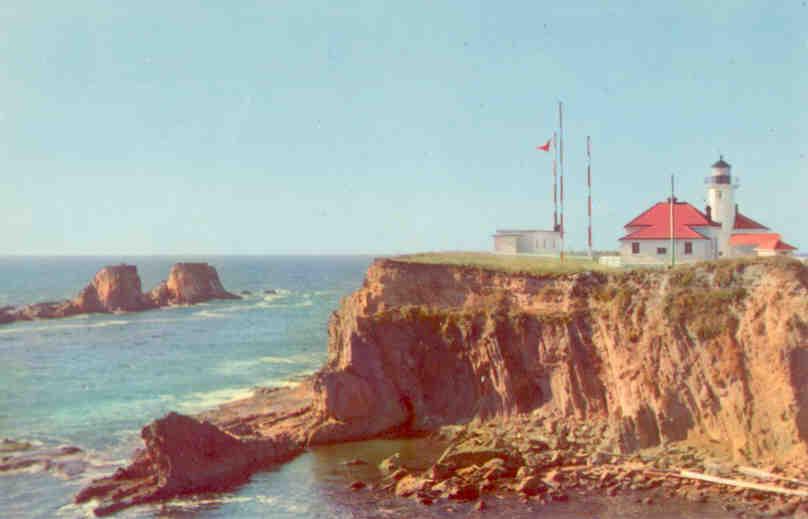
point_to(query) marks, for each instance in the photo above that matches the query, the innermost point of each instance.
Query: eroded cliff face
(714, 353)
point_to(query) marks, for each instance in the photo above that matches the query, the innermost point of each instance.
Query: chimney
(736, 208)
(709, 211)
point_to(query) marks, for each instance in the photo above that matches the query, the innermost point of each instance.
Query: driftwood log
(687, 474)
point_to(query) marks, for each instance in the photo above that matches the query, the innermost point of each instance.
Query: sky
(385, 127)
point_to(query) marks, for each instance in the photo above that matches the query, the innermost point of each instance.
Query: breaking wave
(64, 326)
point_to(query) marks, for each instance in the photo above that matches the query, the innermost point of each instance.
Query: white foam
(267, 500)
(305, 302)
(200, 401)
(233, 367)
(235, 308)
(204, 400)
(49, 327)
(74, 510)
(34, 468)
(274, 382)
(195, 502)
(280, 294)
(210, 315)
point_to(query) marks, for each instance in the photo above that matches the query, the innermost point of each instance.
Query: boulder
(409, 485)
(7, 314)
(390, 464)
(65, 461)
(46, 310)
(469, 453)
(159, 295)
(441, 471)
(531, 486)
(464, 492)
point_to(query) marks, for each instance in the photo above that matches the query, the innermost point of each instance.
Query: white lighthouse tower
(721, 203)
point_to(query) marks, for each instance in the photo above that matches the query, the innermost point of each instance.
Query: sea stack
(113, 289)
(190, 283)
(117, 288)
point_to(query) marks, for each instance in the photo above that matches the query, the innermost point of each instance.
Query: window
(635, 248)
(661, 250)
(688, 247)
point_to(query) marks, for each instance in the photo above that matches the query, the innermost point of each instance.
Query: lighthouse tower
(721, 203)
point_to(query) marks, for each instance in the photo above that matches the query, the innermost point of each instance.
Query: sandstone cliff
(118, 289)
(715, 354)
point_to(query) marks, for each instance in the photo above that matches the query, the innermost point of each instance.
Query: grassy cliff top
(518, 264)
(537, 265)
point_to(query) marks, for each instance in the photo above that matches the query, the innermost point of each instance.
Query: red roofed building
(692, 235)
(648, 236)
(760, 244)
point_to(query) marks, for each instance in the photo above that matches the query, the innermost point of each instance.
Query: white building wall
(505, 244)
(527, 242)
(540, 242)
(701, 250)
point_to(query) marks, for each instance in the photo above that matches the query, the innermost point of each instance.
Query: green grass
(517, 264)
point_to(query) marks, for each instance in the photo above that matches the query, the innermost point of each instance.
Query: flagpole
(561, 172)
(673, 227)
(589, 192)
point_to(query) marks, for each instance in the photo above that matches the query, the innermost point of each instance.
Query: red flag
(545, 146)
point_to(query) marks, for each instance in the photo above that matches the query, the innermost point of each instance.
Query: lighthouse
(721, 203)
(722, 231)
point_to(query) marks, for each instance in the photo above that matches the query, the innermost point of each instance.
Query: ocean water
(94, 381)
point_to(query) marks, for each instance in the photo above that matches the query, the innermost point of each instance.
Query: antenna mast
(561, 171)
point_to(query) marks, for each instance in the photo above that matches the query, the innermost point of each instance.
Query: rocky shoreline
(117, 288)
(542, 460)
(670, 384)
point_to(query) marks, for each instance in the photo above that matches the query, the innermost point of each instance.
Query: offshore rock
(113, 289)
(212, 451)
(190, 283)
(183, 455)
(117, 288)
(64, 461)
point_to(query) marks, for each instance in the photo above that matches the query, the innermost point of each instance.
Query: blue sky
(341, 127)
